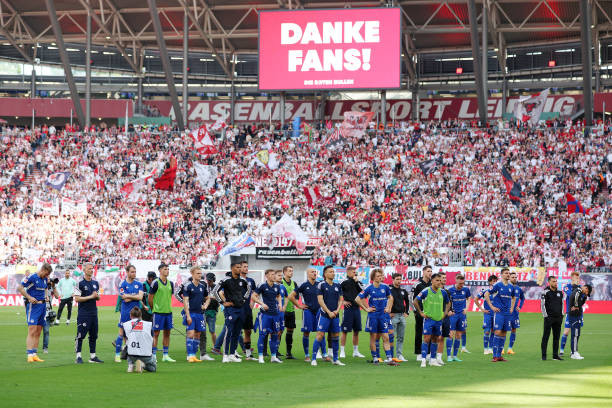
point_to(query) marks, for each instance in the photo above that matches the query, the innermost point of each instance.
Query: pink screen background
(385, 68)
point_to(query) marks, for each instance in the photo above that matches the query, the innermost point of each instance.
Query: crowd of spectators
(387, 211)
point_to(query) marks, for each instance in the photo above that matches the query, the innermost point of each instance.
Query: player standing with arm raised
(379, 306)
(160, 297)
(34, 289)
(502, 306)
(86, 295)
(329, 296)
(516, 321)
(433, 312)
(130, 291)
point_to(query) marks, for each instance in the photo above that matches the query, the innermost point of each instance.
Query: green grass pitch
(524, 381)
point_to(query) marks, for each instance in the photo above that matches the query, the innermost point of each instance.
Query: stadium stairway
(35, 175)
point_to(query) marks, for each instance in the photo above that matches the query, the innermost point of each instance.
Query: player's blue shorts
(458, 322)
(377, 323)
(432, 327)
(281, 321)
(162, 321)
(487, 321)
(268, 323)
(568, 324)
(325, 324)
(309, 321)
(516, 321)
(125, 315)
(351, 319)
(502, 321)
(197, 322)
(35, 314)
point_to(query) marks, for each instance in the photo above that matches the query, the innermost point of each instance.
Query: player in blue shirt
(310, 308)
(487, 317)
(329, 296)
(34, 289)
(86, 295)
(268, 296)
(195, 301)
(436, 306)
(567, 291)
(130, 292)
(516, 321)
(459, 296)
(502, 306)
(379, 306)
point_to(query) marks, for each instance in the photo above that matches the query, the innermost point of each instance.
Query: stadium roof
(225, 28)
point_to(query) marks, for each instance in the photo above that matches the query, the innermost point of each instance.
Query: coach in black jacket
(552, 310)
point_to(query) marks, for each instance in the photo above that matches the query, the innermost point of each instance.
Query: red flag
(99, 182)
(166, 180)
(202, 141)
(313, 195)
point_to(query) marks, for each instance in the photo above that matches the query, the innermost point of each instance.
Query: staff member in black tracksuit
(551, 303)
(424, 282)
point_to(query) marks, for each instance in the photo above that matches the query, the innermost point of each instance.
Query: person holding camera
(34, 289)
(65, 287)
(139, 343)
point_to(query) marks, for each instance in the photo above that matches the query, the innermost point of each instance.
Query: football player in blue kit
(34, 290)
(567, 291)
(487, 317)
(329, 296)
(459, 295)
(378, 308)
(502, 306)
(310, 308)
(131, 292)
(516, 321)
(195, 301)
(268, 296)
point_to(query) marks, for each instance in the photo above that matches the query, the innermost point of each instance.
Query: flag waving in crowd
(206, 175)
(131, 190)
(166, 180)
(243, 241)
(58, 180)
(513, 189)
(313, 196)
(574, 206)
(99, 181)
(429, 166)
(202, 141)
(528, 109)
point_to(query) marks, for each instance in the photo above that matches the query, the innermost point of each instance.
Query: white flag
(206, 175)
(529, 108)
(287, 228)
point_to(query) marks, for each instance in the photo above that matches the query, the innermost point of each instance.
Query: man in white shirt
(139, 343)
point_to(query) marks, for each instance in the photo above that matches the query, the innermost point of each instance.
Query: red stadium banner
(329, 49)
(400, 110)
(60, 108)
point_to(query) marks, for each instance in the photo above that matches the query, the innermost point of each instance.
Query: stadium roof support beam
(207, 39)
(587, 63)
(61, 47)
(102, 26)
(165, 60)
(498, 38)
(482, 106)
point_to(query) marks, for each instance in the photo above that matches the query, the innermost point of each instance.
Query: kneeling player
(380, 302)
(139, 343)
(329, 296)
(433, 312)
(195, 301)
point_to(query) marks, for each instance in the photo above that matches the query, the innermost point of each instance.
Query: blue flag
(297, 123)
(57, 180)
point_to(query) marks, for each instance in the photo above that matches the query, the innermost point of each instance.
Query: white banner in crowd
(44, 207)
(74, 207)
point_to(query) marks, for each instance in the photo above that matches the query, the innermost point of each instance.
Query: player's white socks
(92, 355)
